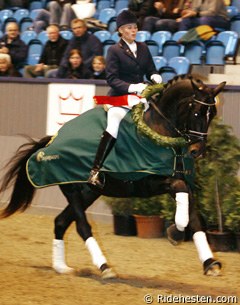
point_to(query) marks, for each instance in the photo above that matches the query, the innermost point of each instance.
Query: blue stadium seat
(25, 24)
(159, 62)
(232, 11)
(177, 36)
(43, 37)
(160, 37)
(143, 36)
(106, 14)
(102, 35)
(27, 36)
(36, 5)
(236, 3)
(4, 14)
(153, 47)
(180, 64)
(20, 14)
(235, 24)
(115, 37)
(106, 45)
(101, 5)
(34, 13)
(112, 25)
(34, 52)
(121, 5)
(230, 41)
(167, 73)
(194, 52)
(66, 34)
(170, 49)
(215, 53)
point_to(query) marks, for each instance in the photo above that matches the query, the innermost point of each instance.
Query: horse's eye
(196, 114)
(190, 105)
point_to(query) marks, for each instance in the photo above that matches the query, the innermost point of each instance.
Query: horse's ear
(197, 85)
(218, 89)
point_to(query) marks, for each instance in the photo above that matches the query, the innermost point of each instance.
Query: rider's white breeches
(115, 115)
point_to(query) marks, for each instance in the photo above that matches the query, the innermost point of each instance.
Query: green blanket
(69, 157)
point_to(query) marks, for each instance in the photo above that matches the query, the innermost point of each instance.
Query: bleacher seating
(143, 36)
(34, 51)
(103, 35)
(167, 73)
(27, 36)
(230, 41)
(106, 14)
(160, 37)
(194, 52)
(170, 49)
(159, 62)
(180, 64)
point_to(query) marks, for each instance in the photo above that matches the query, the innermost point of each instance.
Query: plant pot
(124, 225)
(149, 226)
(221, 241)
(237, 237)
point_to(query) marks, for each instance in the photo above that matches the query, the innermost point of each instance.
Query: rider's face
(128, 32)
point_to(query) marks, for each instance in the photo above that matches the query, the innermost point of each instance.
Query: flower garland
(142, 127)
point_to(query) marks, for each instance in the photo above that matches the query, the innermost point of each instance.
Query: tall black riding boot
(106, 144)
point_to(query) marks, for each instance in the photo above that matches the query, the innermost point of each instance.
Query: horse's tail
(16, 176)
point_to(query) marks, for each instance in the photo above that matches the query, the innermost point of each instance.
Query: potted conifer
(123, 220)
(217, 180)
(148, 216)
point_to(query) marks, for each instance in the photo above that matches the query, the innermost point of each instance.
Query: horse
(176, 122)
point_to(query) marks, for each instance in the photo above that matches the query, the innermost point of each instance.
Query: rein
(186, 136)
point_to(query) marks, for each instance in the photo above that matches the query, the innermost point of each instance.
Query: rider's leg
(115, 115)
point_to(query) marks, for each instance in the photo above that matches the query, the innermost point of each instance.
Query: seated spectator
(209, 12)
(75, 68)
(88, 44)
(142, 9)
(51, 55)
(6, 67)
(16, 3)
(11, 44)
(59, 12)
(168, 13)
(98, 67)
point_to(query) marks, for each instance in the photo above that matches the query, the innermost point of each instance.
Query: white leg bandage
(201, 243)
(98, 258)
(115, 115)
(58, 257)
(182, 211)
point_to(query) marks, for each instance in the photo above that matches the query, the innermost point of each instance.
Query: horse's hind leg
(62, 222)
(80, 200)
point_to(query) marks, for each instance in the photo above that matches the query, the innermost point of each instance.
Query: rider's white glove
(156, 78)
(137, 88)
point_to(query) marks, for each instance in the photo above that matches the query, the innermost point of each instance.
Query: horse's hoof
(174, 235)
(64, 269)
(211, 267)
(108, 274)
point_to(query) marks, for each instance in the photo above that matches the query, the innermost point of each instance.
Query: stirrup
(94, 179)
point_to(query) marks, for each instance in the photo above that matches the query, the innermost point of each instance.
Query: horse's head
(186, 107)
(201, 109)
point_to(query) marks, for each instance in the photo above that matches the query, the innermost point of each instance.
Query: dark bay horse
(177, 120)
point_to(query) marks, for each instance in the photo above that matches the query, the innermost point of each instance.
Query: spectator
(142, 9)
(98, 67)
(209, 12)
(168, 13)
(75, 68)
(6, 67)
(15, 3)
(59, 12)
(11, 44)
(51, 55)
(88, 44)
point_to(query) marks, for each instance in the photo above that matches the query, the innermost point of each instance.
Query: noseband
(187, 134)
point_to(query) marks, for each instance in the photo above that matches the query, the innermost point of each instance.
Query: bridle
(188, 134)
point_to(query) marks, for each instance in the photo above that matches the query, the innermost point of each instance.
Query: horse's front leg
(211, 266)
(180, 192)
(80, 200)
